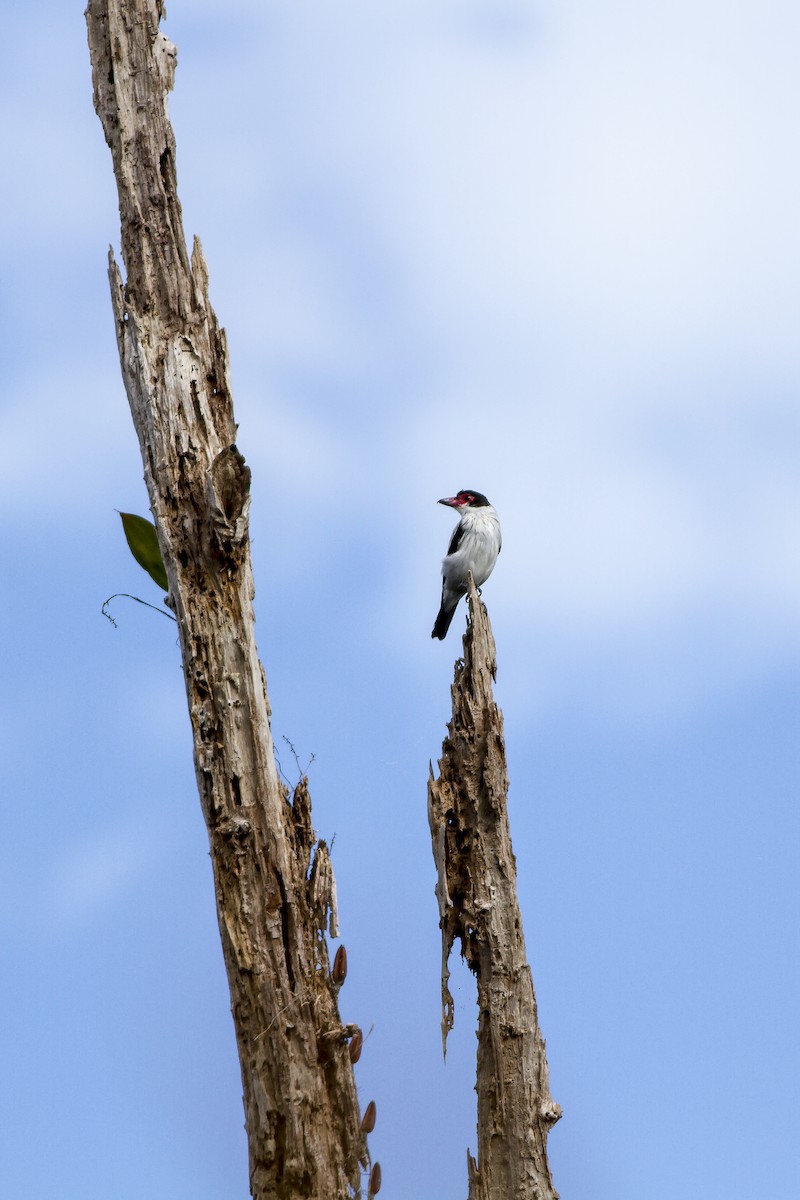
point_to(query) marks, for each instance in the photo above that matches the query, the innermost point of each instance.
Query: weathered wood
(274, 891)
(477, 894)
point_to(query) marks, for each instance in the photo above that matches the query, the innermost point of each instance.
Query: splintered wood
(477, 896)
(275, 893)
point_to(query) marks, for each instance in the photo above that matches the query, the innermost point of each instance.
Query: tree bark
(274, 889)
(476, 891)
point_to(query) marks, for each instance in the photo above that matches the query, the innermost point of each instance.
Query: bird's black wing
(455, 540)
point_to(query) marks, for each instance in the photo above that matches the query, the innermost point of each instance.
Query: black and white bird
(474, 547)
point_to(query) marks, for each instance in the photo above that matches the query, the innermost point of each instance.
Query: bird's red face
(464, 500)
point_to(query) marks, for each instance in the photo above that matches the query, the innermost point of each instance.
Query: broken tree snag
(274, 886)
(477, 895)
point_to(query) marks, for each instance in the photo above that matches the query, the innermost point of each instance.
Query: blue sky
(546, 250)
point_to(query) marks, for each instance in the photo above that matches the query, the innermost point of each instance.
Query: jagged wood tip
(478, 906)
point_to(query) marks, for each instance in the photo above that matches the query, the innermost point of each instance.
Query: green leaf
(143, 542)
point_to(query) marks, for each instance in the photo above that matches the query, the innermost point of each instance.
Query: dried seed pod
(374, 1181)
(356, 1042)
(339, 972)
(368, 1119)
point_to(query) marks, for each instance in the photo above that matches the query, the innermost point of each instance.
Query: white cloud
(68, 427)
(91, 876)
(550, 252)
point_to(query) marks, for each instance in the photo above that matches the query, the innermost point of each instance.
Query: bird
(474, 547)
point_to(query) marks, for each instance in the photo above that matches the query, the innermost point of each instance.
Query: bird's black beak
(450, 501)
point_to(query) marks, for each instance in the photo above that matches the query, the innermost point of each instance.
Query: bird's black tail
(442, 623)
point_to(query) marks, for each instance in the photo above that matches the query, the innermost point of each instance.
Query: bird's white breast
(478, 550)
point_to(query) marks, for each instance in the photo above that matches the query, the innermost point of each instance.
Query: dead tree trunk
(477, 895)
(274, 891)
